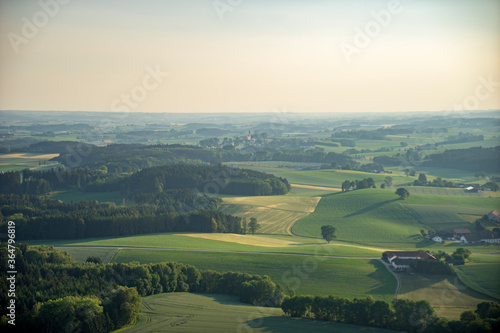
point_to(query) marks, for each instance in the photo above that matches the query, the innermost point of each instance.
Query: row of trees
(358, 184)
(405, 315)
(53, 293)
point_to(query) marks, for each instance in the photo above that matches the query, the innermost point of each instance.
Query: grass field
(307, 275)
(482, 278)
(201, 313)
(325, 178)
(444, 191)
(276, 214)
(445, 217)
(81, 254)
(20, 161)
(75, 196)
(448, 295)
(243, 243)
(364, 216)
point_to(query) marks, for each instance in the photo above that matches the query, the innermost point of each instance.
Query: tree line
(204, 178)
(404, 315)
(54, 293)
(39, 217)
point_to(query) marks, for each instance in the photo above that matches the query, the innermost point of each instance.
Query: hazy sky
(249, 55)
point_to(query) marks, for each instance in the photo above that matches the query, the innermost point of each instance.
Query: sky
(250, 55)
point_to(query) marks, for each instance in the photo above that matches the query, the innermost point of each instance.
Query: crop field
(307, 275)
(448, 295)
(444, 217)
(20, 161)
(334, 178)
(325, 178)
(369, 216)
(224, 242)
(275, 214)
(443, 191)
(482, 278)
(201, 313)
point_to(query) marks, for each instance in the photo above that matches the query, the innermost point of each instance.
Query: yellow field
(245, 239)
(30, 156)
(275, 214)
(311, 187)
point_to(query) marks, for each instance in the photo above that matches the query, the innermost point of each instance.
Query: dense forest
(38, 217)
(467, 159)
(203, 178)
(55, 294)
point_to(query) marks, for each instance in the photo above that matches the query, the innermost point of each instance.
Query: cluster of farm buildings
(465, 236)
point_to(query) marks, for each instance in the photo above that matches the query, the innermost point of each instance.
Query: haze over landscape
(250, 166)
(251, 56)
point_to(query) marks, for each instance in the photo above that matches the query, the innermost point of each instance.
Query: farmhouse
(494, 215)
(485, 236)
(460, 232)
(401, 260)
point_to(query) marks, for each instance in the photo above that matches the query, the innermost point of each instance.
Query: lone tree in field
(253, 226)
(403, 193)
(328, 232)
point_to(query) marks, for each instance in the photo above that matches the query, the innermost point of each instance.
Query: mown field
(483, 278)
(448, 295)
(20, 161)
(201, 313)
(378, 217)
(275, 214)
(445, 217)
(223, 242)
(307, 275)
(369, 216)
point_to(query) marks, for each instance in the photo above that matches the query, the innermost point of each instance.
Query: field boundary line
(215, 251)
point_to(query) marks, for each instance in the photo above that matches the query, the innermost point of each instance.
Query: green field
(80, 254)
(231, 242)
(445, 217)
(275, 214)
(307, 275)
(369, 216)
(327, 177)
(444, 191)
(75, 196)
(201, 313)
(482, 278)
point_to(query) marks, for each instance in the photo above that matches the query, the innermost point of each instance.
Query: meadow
(445, 217)
(448, 295)
(229, 242)
(201, 313)
(368, 216)
(482, 278)
(307, 275)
